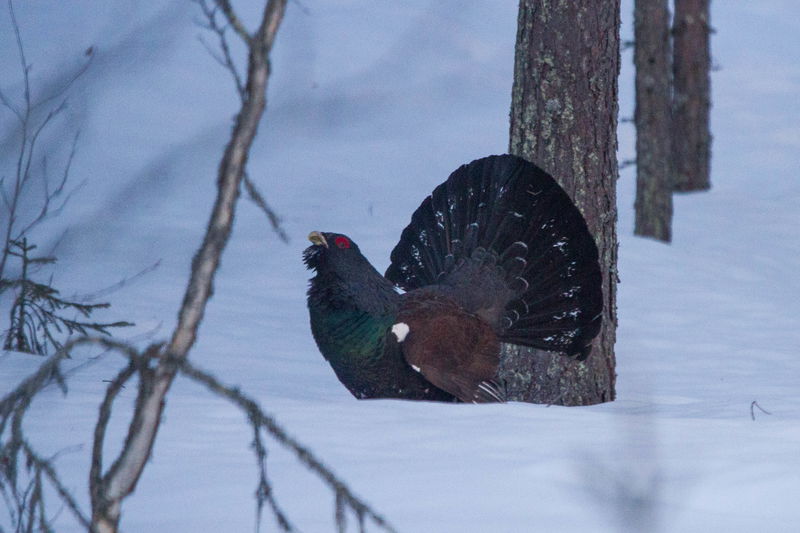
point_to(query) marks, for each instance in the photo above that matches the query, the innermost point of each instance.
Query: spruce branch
(37, 320)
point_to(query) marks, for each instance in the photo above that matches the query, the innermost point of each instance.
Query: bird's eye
(342, 242)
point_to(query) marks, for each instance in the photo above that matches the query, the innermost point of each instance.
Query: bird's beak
(317, 239)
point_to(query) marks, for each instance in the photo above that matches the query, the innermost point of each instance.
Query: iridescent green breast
(366, 359)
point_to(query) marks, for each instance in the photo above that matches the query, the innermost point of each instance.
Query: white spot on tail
(489, 389)
(400, 331)
(416, 368)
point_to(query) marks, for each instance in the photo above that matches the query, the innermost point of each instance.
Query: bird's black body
(497, 253)
(352, 310)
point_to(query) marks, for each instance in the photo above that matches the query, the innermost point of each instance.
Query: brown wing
(455, 350)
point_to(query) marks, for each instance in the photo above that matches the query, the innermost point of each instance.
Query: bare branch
(21, 51)
(15, 226)
(118, 285)
(264, 490)
(340, 514)
(237, 25)
(45, 211)
(32, 384)
(226, 60)
(157, 368)
(258, 199)
(67, 167)
(13, 407)
(15, 403)
(72, 79)
(96, 469)
(230, 175)
(261, 419)
(124, 473)
(24, 161)
(53, 113)
(46, 466)
(213, 53)
(6, 101)
(3, 193)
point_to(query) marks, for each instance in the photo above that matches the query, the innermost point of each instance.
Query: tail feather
(504, 226)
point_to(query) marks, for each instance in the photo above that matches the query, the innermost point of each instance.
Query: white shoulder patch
(416, 368)
(400, 331)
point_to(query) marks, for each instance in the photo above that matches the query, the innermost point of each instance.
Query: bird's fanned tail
(504, 224)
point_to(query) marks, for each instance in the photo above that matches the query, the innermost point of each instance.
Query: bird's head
(344, 278)
(332, 252)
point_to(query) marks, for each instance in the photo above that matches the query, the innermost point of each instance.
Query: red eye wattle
(342, 242)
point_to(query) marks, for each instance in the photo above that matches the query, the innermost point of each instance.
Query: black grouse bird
(497, 253)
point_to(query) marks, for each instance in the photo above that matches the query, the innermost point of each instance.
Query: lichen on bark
(564, 118)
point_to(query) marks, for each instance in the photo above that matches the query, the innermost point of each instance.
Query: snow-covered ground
(371, 105)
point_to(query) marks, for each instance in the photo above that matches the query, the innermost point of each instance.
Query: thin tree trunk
(654, 174)
(692, 95)
(124, 473)
(564, 119)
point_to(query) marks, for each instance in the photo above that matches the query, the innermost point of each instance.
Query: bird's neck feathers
(351, 310)
(360, 289)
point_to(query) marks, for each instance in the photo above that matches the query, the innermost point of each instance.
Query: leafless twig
(13, 406)
(12, 411)
(157, 367)
(239, 28)
(258, 199)
(753, 405)
(264, 490)
(124, 473)
(116, 286)
(344, 497)
(96, 468)
(16, 192)
(226, 60)
(46, 466)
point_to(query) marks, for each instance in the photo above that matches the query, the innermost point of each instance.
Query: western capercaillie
(497, 253)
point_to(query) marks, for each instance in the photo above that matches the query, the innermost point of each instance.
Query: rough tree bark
(691, 95)
(564, 118)
(654, 169)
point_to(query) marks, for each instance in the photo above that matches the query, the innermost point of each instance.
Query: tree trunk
(692, 95)
(654, 174)
(564, 119)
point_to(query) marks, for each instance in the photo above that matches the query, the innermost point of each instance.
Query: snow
(370, 106)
